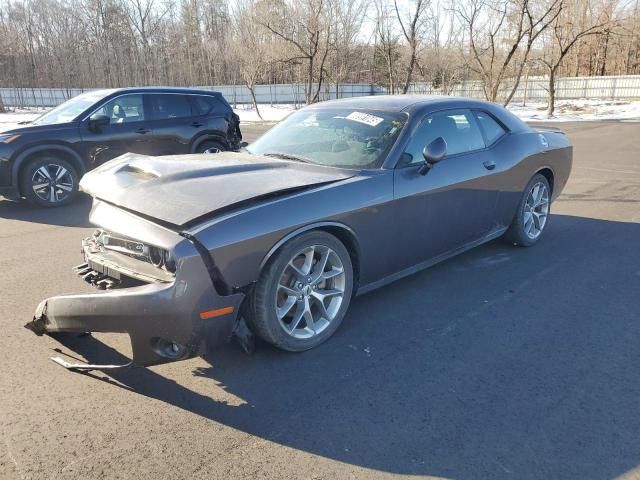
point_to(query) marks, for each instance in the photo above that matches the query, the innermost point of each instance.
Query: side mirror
(433, 153)
(98, 121)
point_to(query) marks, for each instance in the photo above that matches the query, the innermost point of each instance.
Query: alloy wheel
(536, 210)
(52, 183)
(310, 291)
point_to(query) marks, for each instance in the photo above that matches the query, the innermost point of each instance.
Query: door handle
(142, 131)
(489, 164)
(196, 124)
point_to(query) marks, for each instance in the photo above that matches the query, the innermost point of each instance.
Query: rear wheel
(304, 292)
(49, 181)
(532, 215)
(210, 147)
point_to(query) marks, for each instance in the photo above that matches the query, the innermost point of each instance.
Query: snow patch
(10, 120)
(578, 110)
(269, 113)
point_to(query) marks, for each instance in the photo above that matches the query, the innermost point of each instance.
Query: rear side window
(457, 127)
(204, 105)
(492, 129)
(168, 106)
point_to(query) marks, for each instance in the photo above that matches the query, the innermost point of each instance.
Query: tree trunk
(390, 73)
(2, 109)
(603, 68)
(493, 94)
(412, 62)
(551, 102)
(316, 96)
(253, 99)
(309, 88)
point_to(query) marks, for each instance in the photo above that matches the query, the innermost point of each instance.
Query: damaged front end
(155, 287)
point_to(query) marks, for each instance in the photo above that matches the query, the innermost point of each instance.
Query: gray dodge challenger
(338, 199)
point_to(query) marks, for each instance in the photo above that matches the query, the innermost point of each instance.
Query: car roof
(399, 103)
(418, 105)
(183, 90)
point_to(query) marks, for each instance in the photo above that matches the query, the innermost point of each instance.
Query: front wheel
(49, 182)
(304, 292)
(532, 215)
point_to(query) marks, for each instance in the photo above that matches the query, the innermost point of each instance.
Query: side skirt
(428, 263)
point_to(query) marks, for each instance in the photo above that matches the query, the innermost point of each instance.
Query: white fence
(535, 89)
(625, 87)
(268, 94)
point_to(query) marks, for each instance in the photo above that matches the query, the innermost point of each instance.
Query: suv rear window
(167, 106)
(204, 105)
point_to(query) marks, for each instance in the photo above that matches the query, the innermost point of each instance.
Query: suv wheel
(210, 147)
(49, 182)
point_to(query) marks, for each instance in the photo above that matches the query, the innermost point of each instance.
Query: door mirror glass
(97, 121)
(433, 153)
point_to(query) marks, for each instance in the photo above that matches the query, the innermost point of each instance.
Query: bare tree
(501, 36)
(307, 29)
(145, 19)
(251, 48)
(345, 57)
(386, 42)
(412, 32)
(564, 34)
(111, 43)
(442, 62)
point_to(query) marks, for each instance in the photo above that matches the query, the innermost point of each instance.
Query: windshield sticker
(365, 118)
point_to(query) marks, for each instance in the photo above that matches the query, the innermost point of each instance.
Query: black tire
(516, 234)
(64, 192)
(264, 321)
(210, 145)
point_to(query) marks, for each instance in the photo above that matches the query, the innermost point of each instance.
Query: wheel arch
(209, 137)
(547, 173)
(65, 152)
(341, 231)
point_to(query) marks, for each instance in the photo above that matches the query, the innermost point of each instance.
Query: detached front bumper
(166, 320)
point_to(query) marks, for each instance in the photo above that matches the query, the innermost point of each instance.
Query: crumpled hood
(178, 189)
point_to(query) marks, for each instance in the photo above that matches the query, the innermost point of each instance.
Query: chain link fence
(626, 87)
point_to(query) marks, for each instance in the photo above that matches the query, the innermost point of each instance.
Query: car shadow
(501, 363)
(75, 214)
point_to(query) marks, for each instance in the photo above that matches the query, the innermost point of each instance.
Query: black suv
(44, 160)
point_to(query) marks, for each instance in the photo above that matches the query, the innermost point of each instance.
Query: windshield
(70, 109)
(338, 137)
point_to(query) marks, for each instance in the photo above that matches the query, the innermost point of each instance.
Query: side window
(203, 105)
(169, 106)
(125, 109)
(458, 128)
(492, 129)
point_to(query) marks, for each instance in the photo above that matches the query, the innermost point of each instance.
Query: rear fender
(209, 137)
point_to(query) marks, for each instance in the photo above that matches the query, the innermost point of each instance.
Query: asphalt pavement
(502, 363)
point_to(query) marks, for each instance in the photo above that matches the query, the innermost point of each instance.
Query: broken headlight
(157, 256)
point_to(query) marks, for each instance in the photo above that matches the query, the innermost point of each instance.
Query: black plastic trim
(219, 284)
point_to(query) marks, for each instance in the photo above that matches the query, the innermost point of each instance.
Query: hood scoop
(135, 170)
(182, 188)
